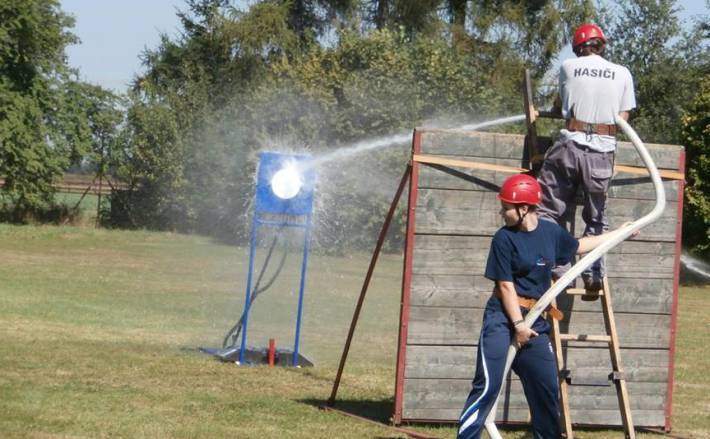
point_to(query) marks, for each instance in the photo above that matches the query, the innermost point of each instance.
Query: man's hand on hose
(635, 232)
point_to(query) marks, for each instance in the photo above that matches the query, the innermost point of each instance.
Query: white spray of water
(360, 147)
(695, 265)
(490, 123)
(381, 142)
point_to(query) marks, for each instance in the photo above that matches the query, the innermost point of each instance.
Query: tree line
(316, 75)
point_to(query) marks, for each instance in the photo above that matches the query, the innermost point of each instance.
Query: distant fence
(79, 184)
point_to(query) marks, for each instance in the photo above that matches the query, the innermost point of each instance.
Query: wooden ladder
(612, 340)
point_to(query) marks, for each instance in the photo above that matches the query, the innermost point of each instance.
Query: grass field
(85, 207)
(99, 330)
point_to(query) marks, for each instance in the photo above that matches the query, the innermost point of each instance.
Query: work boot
(593, 282)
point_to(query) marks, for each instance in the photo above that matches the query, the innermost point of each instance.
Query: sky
(114, 33)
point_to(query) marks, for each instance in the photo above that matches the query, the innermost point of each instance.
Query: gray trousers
(567, 168)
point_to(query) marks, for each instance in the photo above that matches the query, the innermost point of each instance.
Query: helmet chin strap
(520, 217)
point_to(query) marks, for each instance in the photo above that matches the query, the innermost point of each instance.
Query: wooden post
(565, 418)
(530, 117)
(617, 374)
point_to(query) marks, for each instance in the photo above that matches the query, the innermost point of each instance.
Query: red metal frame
(674, 309)
(406, 281)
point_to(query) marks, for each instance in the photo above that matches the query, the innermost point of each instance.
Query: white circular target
(286, 183)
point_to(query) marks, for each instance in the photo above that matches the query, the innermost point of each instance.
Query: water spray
(614, 239)
(396, 139)
(696, 266)
(284, 198)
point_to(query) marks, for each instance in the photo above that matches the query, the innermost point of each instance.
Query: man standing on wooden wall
(592, 91)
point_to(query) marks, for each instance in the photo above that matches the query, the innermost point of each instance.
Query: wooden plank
(643, 247)
(470, 291)
(643, 295)
(476, 213)
(623, 186)
(639, 188)
(457, 212)
(664, 156)
(450, 393)
(445, 254)
(581, 417)
(629, 248)
(638, 170)
(620, 211)
(639, 295)
(585, 363)
(472, 143)
(498, 145)
(466, 164)
(467, 255)
(462, 326)
(640, 265)
(442, 177)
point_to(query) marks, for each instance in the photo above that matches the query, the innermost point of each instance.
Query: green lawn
(99, 330)
(87, 204)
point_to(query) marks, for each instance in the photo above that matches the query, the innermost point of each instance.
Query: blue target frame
(272, 211)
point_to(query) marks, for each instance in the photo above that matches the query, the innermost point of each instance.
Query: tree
(315, 75)
(696, 138)
(33, 150)
(99, 111)
(670, 68)
(195, 182)
(151, 161)
(309, 19)
(666, 63)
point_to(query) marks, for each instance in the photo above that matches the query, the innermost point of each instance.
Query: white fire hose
(615, 238)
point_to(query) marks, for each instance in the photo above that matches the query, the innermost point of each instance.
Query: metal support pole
(366, 283)
(306, 247)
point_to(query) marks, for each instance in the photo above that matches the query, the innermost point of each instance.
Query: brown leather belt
(529, 303)
(591, 128)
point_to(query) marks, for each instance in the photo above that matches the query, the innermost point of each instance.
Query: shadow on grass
(374, 410)
(381, 411)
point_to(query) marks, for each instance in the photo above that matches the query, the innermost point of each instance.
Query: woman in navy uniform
(520, 262)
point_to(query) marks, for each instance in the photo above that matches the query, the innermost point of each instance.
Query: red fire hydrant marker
(272, 351)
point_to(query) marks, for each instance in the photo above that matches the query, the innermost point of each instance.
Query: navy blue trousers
(534, 364)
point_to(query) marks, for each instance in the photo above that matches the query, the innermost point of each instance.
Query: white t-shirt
(594, 90)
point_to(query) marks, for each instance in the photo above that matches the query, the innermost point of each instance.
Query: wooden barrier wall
(453, 213)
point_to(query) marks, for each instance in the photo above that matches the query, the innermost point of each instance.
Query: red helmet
(586, 32)
(520, 189)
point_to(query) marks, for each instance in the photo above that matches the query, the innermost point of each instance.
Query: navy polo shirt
(527, 258)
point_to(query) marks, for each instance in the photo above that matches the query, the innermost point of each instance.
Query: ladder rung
(616, 375)
(590, 383)
(583, 292)
(585, 337)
